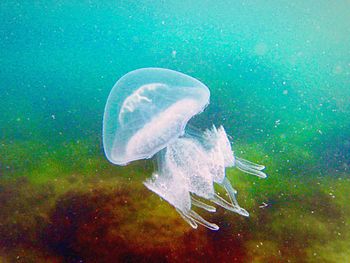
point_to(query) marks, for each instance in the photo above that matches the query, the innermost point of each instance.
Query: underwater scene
(278, 73)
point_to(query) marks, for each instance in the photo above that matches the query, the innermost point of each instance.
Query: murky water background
(279, 75)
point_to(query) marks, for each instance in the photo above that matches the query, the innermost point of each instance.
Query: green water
(279, 76)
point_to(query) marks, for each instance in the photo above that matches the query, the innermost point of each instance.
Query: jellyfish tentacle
(192, 218)
(228, 187)
(200, 220)
(203, 205)
(230, 191)
(188, 219)
(250, 168)
(255, 165)
(224, 204)
(232, 195)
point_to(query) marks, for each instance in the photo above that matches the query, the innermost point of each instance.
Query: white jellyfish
(146, 115)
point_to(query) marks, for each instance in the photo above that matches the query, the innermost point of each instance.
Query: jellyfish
(146, 116)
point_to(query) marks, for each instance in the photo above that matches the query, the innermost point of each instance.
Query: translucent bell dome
(146, 110)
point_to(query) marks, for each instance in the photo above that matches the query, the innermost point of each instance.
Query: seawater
(279, 76)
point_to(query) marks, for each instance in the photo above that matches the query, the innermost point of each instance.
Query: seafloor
(73, 206)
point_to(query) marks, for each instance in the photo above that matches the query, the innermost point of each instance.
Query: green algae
(128, 215)
(310, 209)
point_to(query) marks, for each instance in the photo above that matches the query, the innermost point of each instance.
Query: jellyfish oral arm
(202, 205)
(174, 190)
(200, 166)
(192, 218)
(232, 195)
(224, 204)
(187, 218)
(250, 168)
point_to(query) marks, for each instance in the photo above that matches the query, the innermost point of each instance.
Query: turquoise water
(279, 76)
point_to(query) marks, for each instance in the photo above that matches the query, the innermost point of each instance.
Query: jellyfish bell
(146, 110)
